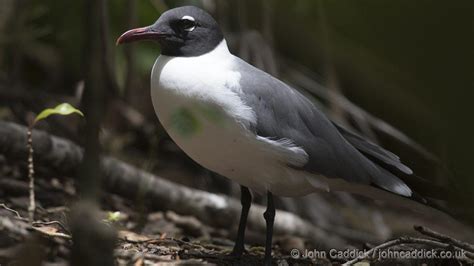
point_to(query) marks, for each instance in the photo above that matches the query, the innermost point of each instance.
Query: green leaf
(113, 217)
(62, 109)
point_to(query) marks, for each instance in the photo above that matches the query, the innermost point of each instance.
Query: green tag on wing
(211, 113)
(184, 122)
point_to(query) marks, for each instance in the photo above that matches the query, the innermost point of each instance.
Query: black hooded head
(183, 31)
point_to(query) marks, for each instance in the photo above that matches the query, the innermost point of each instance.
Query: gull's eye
(188, 23)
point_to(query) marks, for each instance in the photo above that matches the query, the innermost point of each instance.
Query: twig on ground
(35, 223)
(21, 228)
(13, 211)
(131, 254)
(52, 222)
(444, 238)
(408, 240)
(50, 234)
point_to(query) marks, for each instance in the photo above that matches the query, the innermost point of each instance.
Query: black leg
(246, 200)
(269, 218)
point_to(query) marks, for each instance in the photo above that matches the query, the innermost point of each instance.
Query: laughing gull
(244, 124)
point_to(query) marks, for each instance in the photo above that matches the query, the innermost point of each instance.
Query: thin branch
(31, 177)
(13, 211)
(50, 223)
(19, 227)
(401, 241)
(50, 234)
(444, 238)
(35, 223)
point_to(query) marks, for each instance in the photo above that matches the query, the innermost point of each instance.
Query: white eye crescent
(188, 18)
(190, 21)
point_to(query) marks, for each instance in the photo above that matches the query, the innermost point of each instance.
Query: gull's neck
(220, 51)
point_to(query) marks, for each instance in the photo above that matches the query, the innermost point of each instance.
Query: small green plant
(113, 217)
(62, 109)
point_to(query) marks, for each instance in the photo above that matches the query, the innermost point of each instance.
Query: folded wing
(284, 113)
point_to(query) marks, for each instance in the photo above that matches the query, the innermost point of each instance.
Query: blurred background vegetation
(408, 63)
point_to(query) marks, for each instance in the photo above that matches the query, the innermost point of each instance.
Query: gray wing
(370, 149)
(284, 113)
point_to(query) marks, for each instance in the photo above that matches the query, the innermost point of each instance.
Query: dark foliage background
(409, 63)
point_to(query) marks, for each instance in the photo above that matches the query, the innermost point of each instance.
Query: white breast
(196, 102)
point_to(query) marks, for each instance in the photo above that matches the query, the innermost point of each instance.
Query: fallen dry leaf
(132, 237)
(49, 230)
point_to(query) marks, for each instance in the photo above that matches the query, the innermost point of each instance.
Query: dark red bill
(145, 33)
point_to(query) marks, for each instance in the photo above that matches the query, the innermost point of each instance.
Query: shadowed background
(408, 63)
